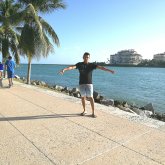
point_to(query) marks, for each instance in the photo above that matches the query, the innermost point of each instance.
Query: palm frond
(34, 21)
(13, 36)
(51, 5)
(45, 6)
(49, 48)
(15, 52)
(27, 39)
(14, 45)
(31, 43)
(50, 31)
(5, 48)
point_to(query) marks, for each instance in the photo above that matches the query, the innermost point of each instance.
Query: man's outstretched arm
(105, 69)
(68, 68)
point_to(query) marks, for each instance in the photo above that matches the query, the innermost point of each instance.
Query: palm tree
(8, 36)
(36, 33)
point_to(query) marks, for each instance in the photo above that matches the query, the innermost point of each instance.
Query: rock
(149, 107)
(33, 83)
(96, 95)
(66, 89)
(148, 113)
(37, 82)
(51, 87)
(101, 97)
(17, 77)
(116, 103)
(126, 109)
(138, 111)
(159, 116)
(130, 110)
(125, 104)
(107, 102)
(43, 83)
(77, 94)
(163, 117)
(71, 94)
(23, 79)
(58, 88)
(75, 90)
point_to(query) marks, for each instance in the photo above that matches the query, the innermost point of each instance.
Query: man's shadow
(53, 116)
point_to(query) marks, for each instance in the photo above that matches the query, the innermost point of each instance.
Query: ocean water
(136, 85)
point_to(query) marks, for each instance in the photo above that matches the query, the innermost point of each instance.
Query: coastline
(147, 111)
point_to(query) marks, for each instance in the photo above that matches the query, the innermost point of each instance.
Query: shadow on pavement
(38, 117)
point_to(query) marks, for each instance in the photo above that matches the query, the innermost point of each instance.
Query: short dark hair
(9, 57)
(86, 54)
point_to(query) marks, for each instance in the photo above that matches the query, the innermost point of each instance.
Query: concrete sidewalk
(42, 127)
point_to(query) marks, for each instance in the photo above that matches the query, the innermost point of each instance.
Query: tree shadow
(38, 117)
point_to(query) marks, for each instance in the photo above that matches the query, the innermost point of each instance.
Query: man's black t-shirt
(85, 71)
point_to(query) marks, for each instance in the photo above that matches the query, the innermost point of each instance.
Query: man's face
(86, 58)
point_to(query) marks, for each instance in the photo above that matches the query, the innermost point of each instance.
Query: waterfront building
(126, 57)
(159, 57)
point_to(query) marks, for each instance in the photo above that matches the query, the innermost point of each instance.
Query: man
(10, 65)
(85, 80)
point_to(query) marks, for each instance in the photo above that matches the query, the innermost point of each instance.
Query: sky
(104, 27)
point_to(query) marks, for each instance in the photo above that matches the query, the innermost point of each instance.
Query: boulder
(149, 107)
(159, 116)
(107, 102)
(58, 88)
(43, 83)
(148, 113)
(75, 90)
(125, 104)
(138, 111)
(116, 103)
(23, 79)
(33, 83)
(76, 94)
(71, 94)
(37, 82)
(17, 77)
(66, 89)
(126, 109)
(96, 95)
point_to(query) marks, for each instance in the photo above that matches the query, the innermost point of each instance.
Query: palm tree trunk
(4, 69)
(29, 70)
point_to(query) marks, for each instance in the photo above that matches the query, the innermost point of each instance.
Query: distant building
(159, 57)
(126, 57)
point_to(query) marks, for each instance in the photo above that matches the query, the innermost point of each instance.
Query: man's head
(9, 57)
(86, 57)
